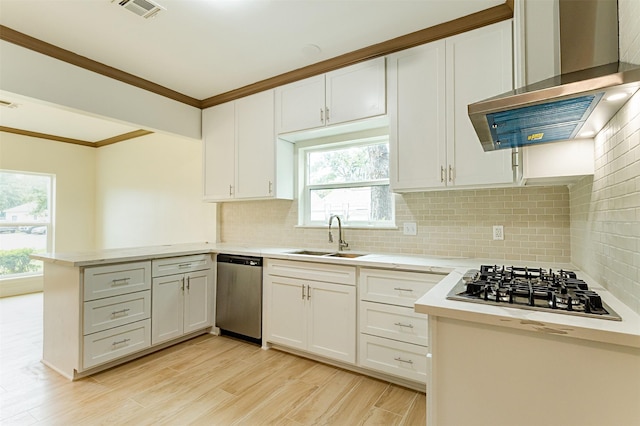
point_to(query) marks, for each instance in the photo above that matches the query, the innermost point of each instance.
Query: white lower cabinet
(309, 315)
(394, 357)
(182, 303)
(116, 342)
(393, 322)
(98, 316)
(393, 337)
(116, 311)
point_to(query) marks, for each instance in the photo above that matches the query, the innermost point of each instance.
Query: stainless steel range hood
(577, 103)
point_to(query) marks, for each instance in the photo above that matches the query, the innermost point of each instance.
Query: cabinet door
(198, 300)
(480, 66)
(286, 311)
(218, 132)
(417, 117)
(255, 139)
(355, 92)
(300, 105)
(167, 308)
(332, 321)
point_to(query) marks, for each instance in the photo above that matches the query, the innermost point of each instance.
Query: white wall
(32, 74)
(149, 192)
(74, 168)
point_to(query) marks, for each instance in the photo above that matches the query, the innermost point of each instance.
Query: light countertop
(625, 332)
(433, 264)
(435, 303)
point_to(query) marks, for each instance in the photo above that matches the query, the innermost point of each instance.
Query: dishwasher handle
(239, 260)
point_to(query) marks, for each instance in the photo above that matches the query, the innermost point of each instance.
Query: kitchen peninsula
(574, 369)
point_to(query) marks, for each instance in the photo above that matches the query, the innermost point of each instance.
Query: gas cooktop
(538, 289)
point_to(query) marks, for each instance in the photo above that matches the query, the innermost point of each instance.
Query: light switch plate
(410, 228)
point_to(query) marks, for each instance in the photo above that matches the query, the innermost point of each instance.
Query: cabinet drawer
(179, 265)
(115, 311)
(338, 274)
(392, 357)
(108, 345)
(395, 287)
(394, 322)
(112, 280)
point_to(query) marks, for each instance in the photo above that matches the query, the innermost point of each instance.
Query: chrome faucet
(342, 244)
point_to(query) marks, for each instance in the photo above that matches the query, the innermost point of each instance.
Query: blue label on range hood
(553, 121)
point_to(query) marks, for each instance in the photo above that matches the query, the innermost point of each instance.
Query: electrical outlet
(498, 232)
(410, 228)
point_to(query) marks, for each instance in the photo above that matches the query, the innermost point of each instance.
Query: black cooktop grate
(532, 288)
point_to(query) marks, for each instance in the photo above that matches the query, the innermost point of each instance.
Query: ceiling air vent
(144, 8)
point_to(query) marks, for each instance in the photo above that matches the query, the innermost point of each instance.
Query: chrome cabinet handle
(120, 342)
(326, 114)
(399, 324)
(442, 174)
(303, 291)
(188, 283)
(450, 173)
(184, 265)
(270, 187)
(230, 190)
(120, 281)
(408, 361)
(321, 115)
(121, 311)
(182, 283)
(308, 292)
(402, 289)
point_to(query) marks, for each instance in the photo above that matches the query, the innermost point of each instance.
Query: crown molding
(32, 43)
(97, 144)
(447, 29)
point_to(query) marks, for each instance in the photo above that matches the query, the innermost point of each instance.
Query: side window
(26, 223)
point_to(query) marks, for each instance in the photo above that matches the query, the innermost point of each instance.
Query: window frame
(305, 189)
(50, 224)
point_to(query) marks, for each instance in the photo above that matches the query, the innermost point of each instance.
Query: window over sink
(349, 178)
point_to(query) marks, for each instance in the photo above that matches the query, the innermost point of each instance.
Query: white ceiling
(202, 48)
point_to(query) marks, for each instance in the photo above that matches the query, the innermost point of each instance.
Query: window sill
(23, 284)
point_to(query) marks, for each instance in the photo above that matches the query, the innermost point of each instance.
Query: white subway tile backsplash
(450, 223)
(605, 209)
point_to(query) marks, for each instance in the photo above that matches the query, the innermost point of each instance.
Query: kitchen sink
(347, 255)
(327, 253)
(312, 253)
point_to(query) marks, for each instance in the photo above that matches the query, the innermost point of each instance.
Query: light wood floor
(209, 380)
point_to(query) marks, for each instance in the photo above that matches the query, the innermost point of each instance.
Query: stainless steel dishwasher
(239, 296)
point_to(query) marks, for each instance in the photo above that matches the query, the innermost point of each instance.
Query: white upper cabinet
(480, 66)
(255, 146)
(218, 130)
(242, 158)
(356, 92)
(300, 105)
(432, 141)
(417, 110)
(351, 93)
